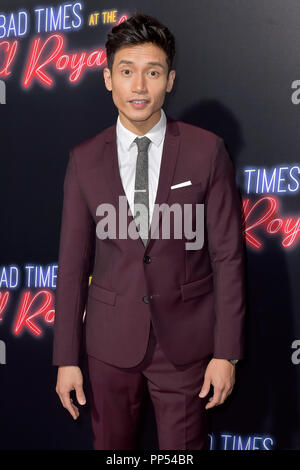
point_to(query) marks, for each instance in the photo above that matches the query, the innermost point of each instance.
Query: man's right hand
(70, 378)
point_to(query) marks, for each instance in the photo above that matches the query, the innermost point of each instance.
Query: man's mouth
(139, 101)
(139, 104)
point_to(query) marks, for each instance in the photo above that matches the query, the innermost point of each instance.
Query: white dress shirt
(127, 156)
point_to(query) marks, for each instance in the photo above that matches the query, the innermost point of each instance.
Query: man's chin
(138, 116)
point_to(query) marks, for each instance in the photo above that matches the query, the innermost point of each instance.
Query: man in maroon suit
(161, 312)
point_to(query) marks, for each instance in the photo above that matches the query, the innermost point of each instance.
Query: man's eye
(126, 70)
(154, 72)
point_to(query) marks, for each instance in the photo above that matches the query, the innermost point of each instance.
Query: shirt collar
(155, 134)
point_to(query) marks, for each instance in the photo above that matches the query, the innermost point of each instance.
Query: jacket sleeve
(75, 260)
(226, 248)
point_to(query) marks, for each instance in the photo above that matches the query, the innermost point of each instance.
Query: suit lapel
(167, 168)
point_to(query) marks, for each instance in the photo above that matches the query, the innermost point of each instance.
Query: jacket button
(145, 299)
(147, 259)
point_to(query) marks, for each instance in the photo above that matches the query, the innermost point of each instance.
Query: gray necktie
(141, 194)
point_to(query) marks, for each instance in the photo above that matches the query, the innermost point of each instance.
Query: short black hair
(139, 29)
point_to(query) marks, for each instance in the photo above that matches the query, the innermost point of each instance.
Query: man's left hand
(220, 373)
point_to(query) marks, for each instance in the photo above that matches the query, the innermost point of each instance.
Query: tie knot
(142, 143)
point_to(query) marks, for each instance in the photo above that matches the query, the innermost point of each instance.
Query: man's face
(139, 73)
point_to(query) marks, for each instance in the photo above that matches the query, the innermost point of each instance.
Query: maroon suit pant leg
(117, 396)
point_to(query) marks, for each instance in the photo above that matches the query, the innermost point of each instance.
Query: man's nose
(139, 83)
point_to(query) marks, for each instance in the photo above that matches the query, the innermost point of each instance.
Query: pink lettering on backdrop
(264, 215)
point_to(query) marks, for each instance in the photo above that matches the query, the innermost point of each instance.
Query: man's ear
(171, 79)
(107, 78)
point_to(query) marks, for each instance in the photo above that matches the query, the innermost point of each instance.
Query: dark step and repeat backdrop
(238, 75)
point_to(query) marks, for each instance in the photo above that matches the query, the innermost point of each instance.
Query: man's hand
(70, 378)
(221, 374)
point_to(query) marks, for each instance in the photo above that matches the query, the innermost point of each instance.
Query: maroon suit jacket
(195, 298)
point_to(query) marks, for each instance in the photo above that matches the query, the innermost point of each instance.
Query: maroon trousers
(117, 395)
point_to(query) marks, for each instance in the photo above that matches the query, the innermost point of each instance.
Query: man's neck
(140, 127)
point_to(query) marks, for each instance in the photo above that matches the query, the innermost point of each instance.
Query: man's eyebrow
(128, 62)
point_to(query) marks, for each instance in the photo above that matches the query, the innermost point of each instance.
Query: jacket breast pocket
(102, 294)
(197, 288)
(190, 193)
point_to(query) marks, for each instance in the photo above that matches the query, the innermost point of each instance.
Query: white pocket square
(179, 185)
